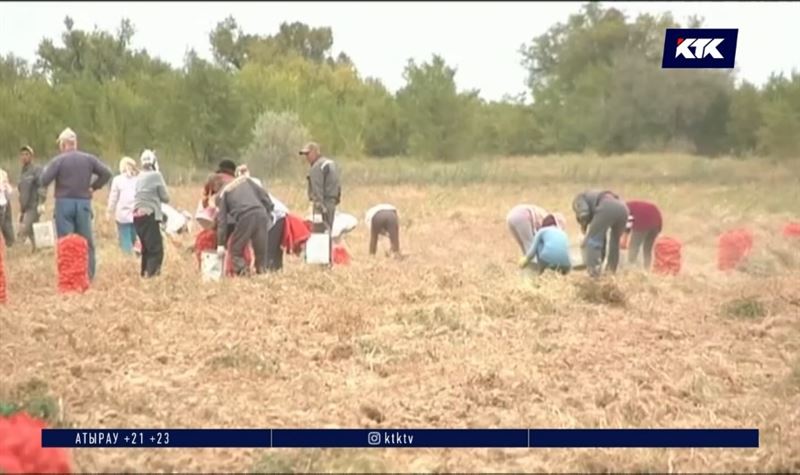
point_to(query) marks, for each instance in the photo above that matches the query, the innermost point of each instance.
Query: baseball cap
(26, 148)
(308, 147)
(67, 135)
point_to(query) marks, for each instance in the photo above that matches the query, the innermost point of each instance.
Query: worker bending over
(598, 213)
(550, 248)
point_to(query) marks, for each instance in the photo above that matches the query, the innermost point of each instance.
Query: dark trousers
(274, 241)
(384, 222)
(7, 224)
(28, 218)
(251, 227)
(148, 229)
(642, 240)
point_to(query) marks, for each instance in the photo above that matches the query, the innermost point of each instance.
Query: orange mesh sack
(247, 254)
(206, 241)
(667, 256)
(2, 270)
(73, 264)
(340, 255)
(21, 448)
(791, 230)
(734, 247)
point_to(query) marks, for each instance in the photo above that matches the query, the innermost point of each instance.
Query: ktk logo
(699, 48)
(702, 47)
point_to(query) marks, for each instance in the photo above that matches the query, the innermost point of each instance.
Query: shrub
(277, 137)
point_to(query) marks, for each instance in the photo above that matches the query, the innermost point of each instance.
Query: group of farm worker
(607, 223)
(243, 215)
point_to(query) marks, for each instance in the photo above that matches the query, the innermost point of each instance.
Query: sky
(481, 39)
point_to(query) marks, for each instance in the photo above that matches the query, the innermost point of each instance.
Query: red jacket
(646, 215)
(295, 233)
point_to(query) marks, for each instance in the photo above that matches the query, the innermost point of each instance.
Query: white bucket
(211, 266)
(44, 234)
(318, 249)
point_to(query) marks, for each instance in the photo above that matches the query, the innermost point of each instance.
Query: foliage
(277, 137)
(595, 79)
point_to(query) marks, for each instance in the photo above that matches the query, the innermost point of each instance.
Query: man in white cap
(324, 189)
(73, 172)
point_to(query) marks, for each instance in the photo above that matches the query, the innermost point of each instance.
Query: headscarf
(149, 160)
(127, 167)
(242, 170)
(554, 219)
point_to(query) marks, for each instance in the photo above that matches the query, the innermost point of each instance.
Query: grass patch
(320, 461)
(33, 397)
(244, 360)
(602, 292)
(746, 308)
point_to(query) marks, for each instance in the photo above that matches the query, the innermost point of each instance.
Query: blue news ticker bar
(644, 438)
(401, 438)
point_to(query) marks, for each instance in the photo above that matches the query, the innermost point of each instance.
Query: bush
(277, 137)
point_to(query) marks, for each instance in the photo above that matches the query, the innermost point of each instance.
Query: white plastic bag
(318, 249)
(44, 234)
(211, 266)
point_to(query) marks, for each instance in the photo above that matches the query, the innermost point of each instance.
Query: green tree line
(595, 79)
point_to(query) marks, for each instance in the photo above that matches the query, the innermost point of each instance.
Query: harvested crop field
(453, 336)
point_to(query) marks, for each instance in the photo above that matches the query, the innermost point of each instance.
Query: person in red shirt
(644, 226)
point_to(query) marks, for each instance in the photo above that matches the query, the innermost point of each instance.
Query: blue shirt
(550, 247)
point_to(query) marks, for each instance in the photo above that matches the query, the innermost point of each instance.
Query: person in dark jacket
(31, 195)
(324, 189)
(226, 172)
(598, 213)
(73, 171)
(249, 206)
(645, 226)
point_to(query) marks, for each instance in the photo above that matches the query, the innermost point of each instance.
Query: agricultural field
(454, 336)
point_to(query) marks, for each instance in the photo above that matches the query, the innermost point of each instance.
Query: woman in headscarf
(151, 192)
(550, 248)
(121, 199)
(523, 221)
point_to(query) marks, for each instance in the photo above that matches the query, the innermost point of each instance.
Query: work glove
(220, 251)
(523, 262)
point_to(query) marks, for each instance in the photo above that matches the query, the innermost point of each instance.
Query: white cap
(67, 135)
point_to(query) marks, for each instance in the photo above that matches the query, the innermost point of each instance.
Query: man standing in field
(324, 190)
(73, 170)
(31, 195)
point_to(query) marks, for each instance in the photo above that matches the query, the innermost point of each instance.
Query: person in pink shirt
(120, 203)
(644, 226)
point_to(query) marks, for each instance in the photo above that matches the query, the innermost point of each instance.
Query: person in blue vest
(550, 248)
